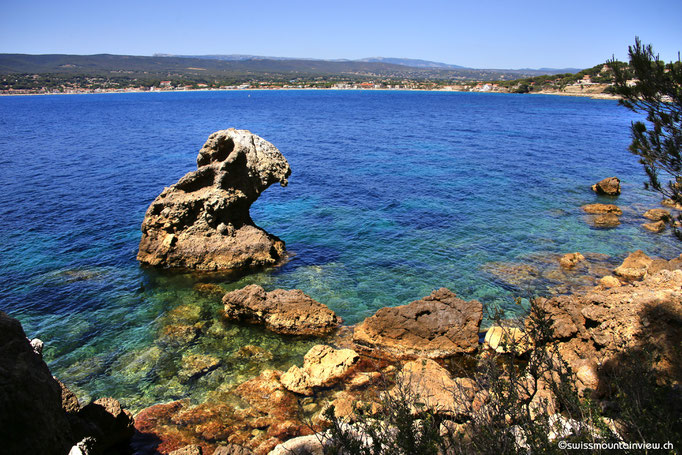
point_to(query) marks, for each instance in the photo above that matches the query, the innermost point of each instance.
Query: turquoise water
(392, 195)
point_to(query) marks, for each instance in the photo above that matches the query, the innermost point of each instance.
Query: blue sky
(479, 34)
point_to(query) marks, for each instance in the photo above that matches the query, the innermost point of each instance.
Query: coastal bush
(652, 87)
(527, 402)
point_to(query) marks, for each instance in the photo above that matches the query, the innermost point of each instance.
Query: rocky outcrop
(438, 326)
(427, 382)
(31, 416)
(287, 312)
(638, 265)
(39, 414)
(323, 366)
(202, 222)
(609, 186)
(672, 204)
(593, 327)
(603, 215)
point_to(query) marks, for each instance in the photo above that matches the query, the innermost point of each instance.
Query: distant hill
(243, 67)
(415, 63)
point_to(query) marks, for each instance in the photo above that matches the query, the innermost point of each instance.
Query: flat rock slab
(287, 312)
(438, 326)
(323, 366)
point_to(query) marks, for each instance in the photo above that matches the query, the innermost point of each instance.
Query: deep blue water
(392, 195)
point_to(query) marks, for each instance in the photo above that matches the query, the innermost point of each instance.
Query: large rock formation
(288, 312)
(438, 326)
(202, 222)
(38, 414)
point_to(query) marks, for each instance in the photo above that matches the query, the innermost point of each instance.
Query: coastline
(596, 96)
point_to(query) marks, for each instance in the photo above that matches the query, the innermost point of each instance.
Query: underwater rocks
(609, 186)
(437, 326)
(287, 312)
(256, 416)
(603, 215)
(39, 414)
(202, 222)
(323, 366)
(570, 260)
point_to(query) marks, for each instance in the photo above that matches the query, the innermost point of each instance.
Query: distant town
(22, 74)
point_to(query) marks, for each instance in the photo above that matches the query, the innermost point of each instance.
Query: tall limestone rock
(202, 222)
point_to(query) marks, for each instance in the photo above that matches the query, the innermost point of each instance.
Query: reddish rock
(634, 267)
(438, 326)
(609, 186)
(202, 222)
(288, 312)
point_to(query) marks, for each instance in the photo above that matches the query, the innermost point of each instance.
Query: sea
(393, 194)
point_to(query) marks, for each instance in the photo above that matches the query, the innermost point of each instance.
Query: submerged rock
(202, 222)
(570, 260)
(609, 186)
(597, 209)
(287, 312)
(438, 326)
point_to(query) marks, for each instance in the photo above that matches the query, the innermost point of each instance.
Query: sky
(476, 34)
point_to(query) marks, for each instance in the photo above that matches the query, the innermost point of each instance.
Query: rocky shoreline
(639, 305)
(433, 346)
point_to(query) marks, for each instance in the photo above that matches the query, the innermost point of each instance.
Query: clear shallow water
(393, 194)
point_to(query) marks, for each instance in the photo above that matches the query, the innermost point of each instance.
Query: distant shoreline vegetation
(52, 74)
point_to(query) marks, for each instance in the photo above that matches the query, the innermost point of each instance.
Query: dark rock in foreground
(31, 416)
(202, 222)
(287, 312)
(438, 326)
(39, 414)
